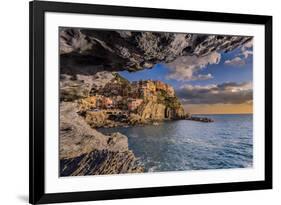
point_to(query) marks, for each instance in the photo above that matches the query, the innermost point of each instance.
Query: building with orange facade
(106, 102)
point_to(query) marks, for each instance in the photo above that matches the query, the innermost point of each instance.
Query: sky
(219, 83)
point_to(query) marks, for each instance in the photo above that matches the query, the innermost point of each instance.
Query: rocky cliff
(100, 162)
(162, 108)
(85, 151)
(87, 51)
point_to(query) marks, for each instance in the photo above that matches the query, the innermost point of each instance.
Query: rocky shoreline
(200, 119)
(106, 100)
(85, 151)
(125, 122)
(100, 162)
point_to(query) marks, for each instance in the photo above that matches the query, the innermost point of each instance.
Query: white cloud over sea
(226, 93)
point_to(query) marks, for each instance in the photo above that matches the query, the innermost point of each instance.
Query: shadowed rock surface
(87, 51)
(85, 151)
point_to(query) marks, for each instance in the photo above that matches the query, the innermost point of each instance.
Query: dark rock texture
(99, 162)
(87, 51)
(85, 151)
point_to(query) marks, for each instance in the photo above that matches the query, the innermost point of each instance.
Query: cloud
(246, 49)
(226, 93)
(246, 53)
(186, 67)
(204, 77)
(237, 61)
(247, 45)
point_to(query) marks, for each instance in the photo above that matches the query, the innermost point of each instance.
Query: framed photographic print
(140, 102)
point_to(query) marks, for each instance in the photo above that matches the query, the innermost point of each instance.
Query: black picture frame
(37, 9)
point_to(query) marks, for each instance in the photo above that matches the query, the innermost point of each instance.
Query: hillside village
(118, 102)
(128, 96)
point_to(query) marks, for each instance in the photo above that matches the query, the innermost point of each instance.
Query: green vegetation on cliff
(169, 101)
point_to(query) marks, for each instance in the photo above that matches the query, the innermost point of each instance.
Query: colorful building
(106, 102)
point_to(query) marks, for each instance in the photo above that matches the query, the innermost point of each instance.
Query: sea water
(189, 145)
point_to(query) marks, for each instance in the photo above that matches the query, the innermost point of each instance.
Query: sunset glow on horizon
(245, 108)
